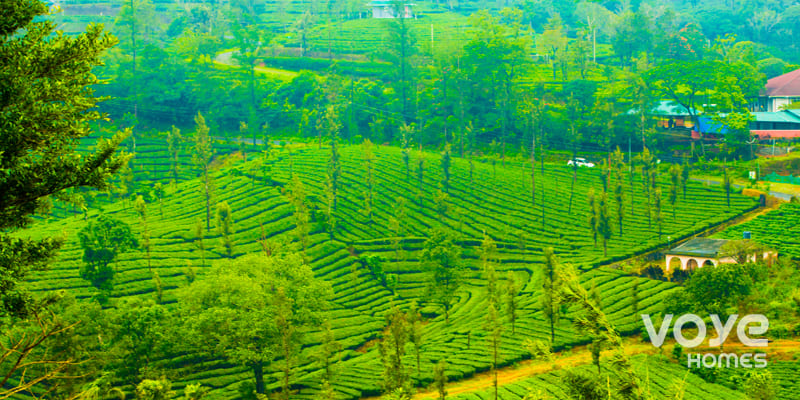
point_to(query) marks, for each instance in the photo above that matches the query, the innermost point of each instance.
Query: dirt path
(581, 356)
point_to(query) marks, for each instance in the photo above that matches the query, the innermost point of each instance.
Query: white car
(581, 162)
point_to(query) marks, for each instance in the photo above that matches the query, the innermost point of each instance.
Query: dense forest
(297, 200)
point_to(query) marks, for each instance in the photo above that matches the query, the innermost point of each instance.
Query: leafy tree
(102, 242)
(619, 191)
(440, 379)
(407, 133)
(199, 236)
(368, 157)
(549, 298)
(140, 334)
(135, 19)
(657, 205)
(329, 348)
(332, 126)
(397, 225)
(512, 303)
(250, 40)
(715, 289)
(203, 153)
(604, 222)
(415, 332)
(392, 348)
(154, 389)
(759, 385)
(44, 75)
(522, 241)
(441, 259)
(401, 54)
(488, 256)
(248, 309)
(440, 199)
(594, 322)
(632, 36)
(141, 208)
(635, 296)
(553, 42)
(494, 327)
(648, 162)
(158, 191)
(726, 183)
(420, 174)
(593, 220)
(742, 251)
(297, 196)
(445, 163)
(174, 140)
(684, 178)
(225, 227)
(674, 174)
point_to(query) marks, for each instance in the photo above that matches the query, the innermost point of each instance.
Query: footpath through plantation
(363, 222)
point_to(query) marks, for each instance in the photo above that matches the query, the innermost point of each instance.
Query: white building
(779, 91)
(386, 9)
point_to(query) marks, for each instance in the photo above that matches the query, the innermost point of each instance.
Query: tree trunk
(258, 371)
(533, 169)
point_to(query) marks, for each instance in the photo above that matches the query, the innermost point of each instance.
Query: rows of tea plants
(779, 229)
(495, 202)
(661, 378)
(371, 35)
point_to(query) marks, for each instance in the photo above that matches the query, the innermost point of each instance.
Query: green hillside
(495, 202)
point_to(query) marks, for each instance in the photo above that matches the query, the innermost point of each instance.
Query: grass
(497, 202)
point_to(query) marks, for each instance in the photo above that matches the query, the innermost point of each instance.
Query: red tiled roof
(785, 85)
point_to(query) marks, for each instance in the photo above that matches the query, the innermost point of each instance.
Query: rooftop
(785, 85)
(666, 108)
(703, 247)
(780, 116)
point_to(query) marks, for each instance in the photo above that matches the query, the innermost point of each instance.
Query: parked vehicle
(581, 162)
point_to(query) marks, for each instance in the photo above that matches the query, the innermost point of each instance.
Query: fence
(773, 177)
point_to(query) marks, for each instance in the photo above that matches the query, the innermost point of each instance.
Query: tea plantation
(479, 198)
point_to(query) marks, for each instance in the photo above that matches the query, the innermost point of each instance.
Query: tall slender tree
(174, 140)
(674, 173)
(593, 216)
(550, 299)
(225, 227)
(392, 348)
(401, 54)
(141, 208)
(369, 180)
(203, 153)
(604, 221)
(441, 259)
(618, 160)
(512, 303)
(445, 163)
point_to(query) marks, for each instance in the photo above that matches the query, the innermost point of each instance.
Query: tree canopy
(47, 103)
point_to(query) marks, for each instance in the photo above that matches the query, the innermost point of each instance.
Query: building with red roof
(780, 91)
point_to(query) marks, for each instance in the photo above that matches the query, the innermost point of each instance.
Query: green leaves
(234, 312)
(441, 259)
(102, 241)
(46, 102)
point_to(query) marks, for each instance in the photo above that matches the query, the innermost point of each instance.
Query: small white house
(385, 9)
